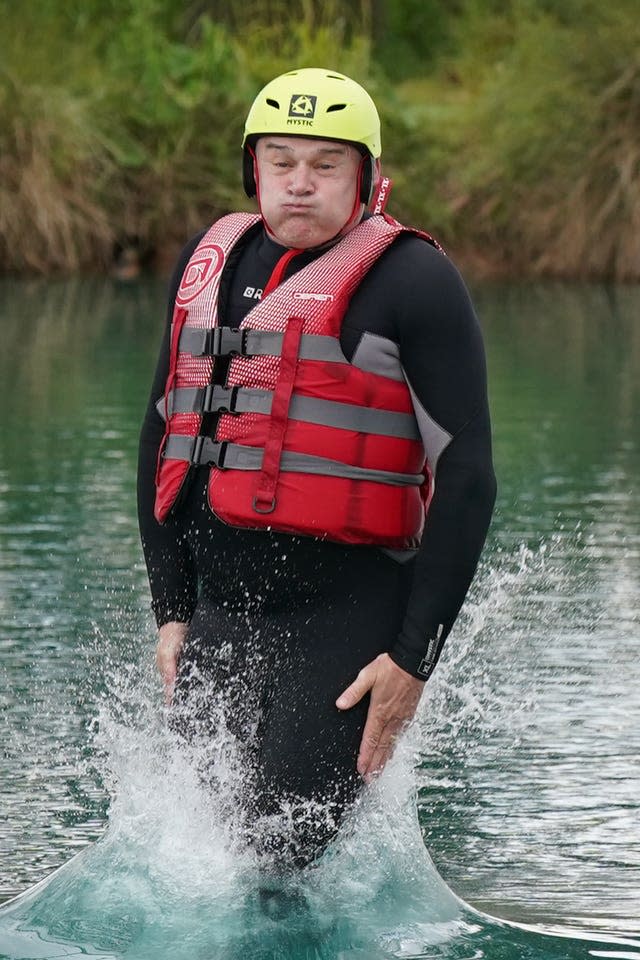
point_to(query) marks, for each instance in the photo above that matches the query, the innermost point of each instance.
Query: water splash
(175, 877)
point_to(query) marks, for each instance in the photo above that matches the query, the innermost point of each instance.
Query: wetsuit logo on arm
(428, 661)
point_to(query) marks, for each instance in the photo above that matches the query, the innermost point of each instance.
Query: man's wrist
(419, 664)
(407, 662)
(165, 612)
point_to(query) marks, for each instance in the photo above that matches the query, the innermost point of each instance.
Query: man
(320, 389)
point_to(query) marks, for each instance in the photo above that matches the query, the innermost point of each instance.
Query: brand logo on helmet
(200, 272)
(302, 105)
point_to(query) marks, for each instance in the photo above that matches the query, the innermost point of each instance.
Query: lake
(527, 747)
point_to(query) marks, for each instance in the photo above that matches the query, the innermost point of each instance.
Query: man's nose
(301, 180)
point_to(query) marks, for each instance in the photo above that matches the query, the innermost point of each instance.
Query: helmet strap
(381, 194)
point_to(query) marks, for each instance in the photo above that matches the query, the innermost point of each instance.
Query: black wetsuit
(282, 624)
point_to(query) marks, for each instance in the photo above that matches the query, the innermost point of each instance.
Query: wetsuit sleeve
(170, 566)
(442, 354)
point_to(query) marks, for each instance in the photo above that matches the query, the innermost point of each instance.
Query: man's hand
(394, 698)
(170, 639)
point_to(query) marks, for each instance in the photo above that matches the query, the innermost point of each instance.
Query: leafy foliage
(511, 129)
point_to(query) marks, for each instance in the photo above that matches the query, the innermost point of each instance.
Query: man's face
(307, 188)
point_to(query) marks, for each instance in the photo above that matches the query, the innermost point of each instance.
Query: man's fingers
(394, 697)
(375, 750)
(356, 691)
(371, 737)
(167, 669)
(169, 680)
(170, 641)
(376, 747)
(383, 750)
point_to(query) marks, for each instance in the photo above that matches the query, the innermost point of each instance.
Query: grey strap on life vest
(235, 456)
(329, 413)
(215, 399)
(233, 341)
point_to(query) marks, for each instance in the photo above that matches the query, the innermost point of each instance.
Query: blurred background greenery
(511, 128)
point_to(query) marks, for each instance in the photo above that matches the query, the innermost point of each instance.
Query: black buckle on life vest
(226, 342)
(209, 452)
(219, 399)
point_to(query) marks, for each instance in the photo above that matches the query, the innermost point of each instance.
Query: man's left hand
(394, 698)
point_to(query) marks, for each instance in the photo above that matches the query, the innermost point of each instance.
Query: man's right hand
(170, 639)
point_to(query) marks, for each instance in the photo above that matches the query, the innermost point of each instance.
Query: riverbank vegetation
(511, 129)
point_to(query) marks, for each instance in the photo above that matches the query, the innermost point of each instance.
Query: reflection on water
(537, 792)
(529, 739)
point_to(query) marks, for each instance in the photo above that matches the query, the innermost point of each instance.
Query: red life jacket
(306, 442)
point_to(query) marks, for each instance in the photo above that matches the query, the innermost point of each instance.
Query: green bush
(131, 133)
(542, 166)
(512, 132)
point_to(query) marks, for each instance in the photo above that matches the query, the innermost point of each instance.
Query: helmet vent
(273, 103)
(336, 106)
(333, 76)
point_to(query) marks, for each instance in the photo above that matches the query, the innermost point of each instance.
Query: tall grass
(52, 161)
(131, 141)
(512, 129)
(543, 170)
(121, 123)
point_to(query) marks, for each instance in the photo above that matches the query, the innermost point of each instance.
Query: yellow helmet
(313, 103)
